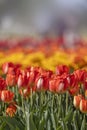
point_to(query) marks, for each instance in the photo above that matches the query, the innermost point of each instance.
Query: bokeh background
(33, 17)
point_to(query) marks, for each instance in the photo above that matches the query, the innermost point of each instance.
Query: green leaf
(29, 122)
(12, 123)
(83, 126)
(41, 124)
(2, 125)
(75, 124)
(48, 125)
(69, 116)
(17, 128)
(53, 120)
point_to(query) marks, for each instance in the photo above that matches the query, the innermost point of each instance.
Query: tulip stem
(66, 102)
(31, 98)
(22, 103)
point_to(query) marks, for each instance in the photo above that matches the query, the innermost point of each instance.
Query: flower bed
(35, 98)
(42, 87)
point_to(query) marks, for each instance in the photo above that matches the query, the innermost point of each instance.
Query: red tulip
(7, 96)
(61, 85)
(62, 69)
(80, 75)
(42, 83)
(74, 91)
(52, 86)
(85, 85)
(6, 66)
(72, 81)
(33, 76)
(47, 73)
(23, 79)
(2, 84)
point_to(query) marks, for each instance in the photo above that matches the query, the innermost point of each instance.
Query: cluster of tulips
(33, 94)
(35, 79)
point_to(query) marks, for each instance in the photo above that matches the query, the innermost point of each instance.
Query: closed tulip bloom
(6, 66)
(7, 96)
(23, 79)
(62, 69)
(72, 80)
(2, 84)
(33, 76)
(20, 81)
(80, 75)
(11, 80)
(42, 83)
(61, 85)
(83, 106)
(77, 100)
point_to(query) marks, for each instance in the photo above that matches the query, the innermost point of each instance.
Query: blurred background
(43, 17)
(43, 33)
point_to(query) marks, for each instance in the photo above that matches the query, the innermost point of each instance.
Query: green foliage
(48, 111)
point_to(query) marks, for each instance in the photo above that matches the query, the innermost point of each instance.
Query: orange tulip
(83, 106)
(11, 80)
(11, 109)
(77, 100)
(80, 75)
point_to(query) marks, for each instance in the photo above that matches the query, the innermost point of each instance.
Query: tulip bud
(11, 80)
(77, 100)
(83, 106)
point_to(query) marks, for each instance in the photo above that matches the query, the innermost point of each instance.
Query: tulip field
(43, 88)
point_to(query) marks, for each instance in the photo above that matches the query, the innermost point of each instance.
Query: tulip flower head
(6, 96)
(6, 66)
(11, 110)
(77, 100)
(83, 106)
(62, 69)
